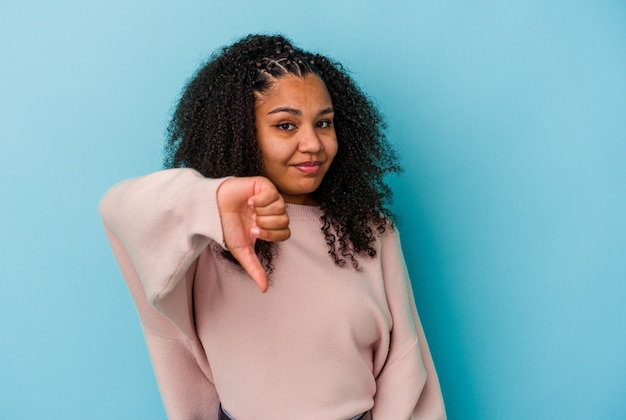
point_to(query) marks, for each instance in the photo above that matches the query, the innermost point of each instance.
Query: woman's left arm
(408, 386)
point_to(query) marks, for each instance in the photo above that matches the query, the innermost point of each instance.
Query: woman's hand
(251, 208)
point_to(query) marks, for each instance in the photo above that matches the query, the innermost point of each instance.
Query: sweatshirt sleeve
(407, 387)
(157, 226)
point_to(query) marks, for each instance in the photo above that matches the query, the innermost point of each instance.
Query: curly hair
(213, 131)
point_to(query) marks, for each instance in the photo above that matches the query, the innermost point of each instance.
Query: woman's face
(296, 135)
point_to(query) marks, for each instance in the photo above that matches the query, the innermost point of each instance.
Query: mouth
(310, 167)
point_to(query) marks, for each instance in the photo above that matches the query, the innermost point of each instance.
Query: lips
(310, 167)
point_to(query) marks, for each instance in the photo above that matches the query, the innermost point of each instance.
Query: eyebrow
(294, 111)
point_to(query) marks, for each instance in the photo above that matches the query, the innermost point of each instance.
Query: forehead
(308, 90)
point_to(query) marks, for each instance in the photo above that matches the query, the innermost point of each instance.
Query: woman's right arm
(157, 226)
(163, 221)
(166, 219)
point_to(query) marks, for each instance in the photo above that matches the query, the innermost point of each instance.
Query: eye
(323, 124)
(285, 126)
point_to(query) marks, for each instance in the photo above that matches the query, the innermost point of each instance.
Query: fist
(251, 208)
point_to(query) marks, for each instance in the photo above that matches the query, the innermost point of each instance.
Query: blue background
(510, 118)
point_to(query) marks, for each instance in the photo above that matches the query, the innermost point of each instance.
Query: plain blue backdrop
(510, 117)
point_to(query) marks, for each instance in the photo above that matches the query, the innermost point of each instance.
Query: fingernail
(255, 231)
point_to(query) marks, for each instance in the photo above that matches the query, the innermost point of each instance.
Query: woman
(276, 184)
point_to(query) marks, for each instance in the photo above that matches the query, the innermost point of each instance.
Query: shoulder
(390, 238)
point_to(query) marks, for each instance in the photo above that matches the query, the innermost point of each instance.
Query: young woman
(264, 264)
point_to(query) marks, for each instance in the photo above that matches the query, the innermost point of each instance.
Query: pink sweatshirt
(324, 342)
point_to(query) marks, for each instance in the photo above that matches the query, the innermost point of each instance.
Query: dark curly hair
(213, 131)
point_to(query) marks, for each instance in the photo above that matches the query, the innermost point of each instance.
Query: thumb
(250, 262)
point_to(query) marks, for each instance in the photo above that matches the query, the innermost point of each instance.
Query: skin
(297, 140)
(296, 135)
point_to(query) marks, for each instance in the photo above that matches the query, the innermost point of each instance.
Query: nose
(310, 141)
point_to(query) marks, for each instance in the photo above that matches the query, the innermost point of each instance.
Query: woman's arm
(157, 226)
(163, 221)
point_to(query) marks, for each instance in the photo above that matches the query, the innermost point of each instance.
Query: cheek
(266, 146)
(331, 148)
(274, 155)
(277, 152)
